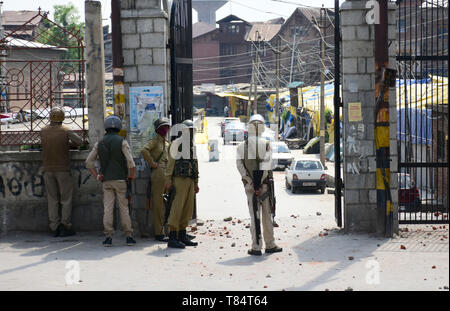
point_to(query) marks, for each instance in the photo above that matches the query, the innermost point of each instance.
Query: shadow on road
(244, 261)
(79, 247)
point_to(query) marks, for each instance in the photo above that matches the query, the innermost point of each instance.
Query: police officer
(182, 173)
(56, 141)
(254, 165)
(155, 152)
(115, 161)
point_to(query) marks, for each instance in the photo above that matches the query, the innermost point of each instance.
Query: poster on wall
(146, 105)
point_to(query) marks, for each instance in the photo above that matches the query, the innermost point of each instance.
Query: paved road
(222, 194)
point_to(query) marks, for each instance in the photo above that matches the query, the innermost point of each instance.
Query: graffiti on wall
(26, 181)
(356, 151)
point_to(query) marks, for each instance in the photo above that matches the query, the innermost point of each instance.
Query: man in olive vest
(254, 165)
(155, 152)
(115, 161)
(182, 173)
(56, 141)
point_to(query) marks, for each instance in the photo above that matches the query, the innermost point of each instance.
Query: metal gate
(41, 66)
(422, 107)
(181, 107)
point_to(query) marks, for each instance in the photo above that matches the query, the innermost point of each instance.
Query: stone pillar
(358, 86)
(145, 34)
(95, 70)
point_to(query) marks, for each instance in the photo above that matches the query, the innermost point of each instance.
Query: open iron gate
(422, 101)
(181, 107)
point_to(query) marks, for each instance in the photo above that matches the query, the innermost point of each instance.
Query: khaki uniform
(56, 140)
(246, 163)
(183, 203)
(156, 151)
(113, 189)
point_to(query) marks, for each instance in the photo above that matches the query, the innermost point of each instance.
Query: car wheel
(287, 185)
(322, 190)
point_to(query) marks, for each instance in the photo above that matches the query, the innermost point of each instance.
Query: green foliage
(67, 18)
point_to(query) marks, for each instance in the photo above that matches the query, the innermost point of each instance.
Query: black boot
(161, 238)
(173, 241)
(65, 231)
(186, 241)
(57, 232)
(190, 237)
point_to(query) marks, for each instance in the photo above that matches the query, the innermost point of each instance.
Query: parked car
(225, 122)
(306, 174)
(234, 131)
(408, 195)
(281, 155)
(16, 117)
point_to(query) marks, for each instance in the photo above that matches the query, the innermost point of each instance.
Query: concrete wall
(358, 69)
(23, 199)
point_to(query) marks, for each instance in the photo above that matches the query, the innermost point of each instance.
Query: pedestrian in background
(56, 141)
(115, 163)
(225, 111)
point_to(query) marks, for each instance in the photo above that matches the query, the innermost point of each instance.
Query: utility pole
(293, 54)
(277, 106)
(322, 88)
(118, 73)
(255, 102)
(249, 105)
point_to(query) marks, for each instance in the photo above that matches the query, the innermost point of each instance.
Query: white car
(306, 174)
(281, 155)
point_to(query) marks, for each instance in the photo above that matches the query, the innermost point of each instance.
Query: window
(308, 165)
(227, 49)
(233, 28)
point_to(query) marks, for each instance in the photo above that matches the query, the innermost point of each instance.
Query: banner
(146, 105)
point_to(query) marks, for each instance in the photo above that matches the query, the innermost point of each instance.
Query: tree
(67, 18)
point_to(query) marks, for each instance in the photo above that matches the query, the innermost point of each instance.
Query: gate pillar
(95, 71)
(359, 105)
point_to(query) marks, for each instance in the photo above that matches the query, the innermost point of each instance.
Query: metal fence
(422, 93)
(41, 66)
